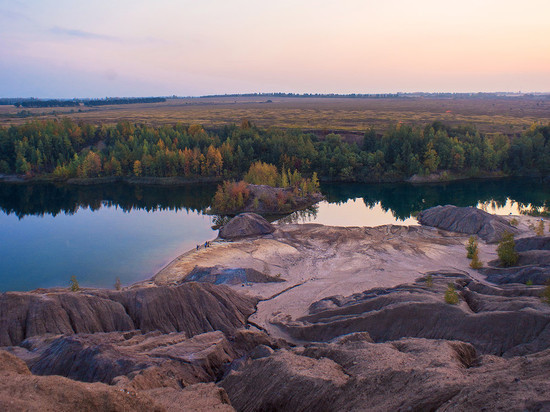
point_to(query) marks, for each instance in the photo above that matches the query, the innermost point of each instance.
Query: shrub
(506, 250)
(546, 293)
(514, 222)
(230, 196)
(476, 263)
(282, 201)
(74, 284)
(118, 285)
(529, 282)
(451, 297)
(471, 247)
(540, 228)
(429, 281)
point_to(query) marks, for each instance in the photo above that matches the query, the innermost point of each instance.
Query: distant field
(507, 115)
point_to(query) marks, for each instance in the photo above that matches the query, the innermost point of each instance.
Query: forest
(64, 149)
(34, 103)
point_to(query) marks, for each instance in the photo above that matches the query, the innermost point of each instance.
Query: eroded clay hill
(190, 308)
(314, 318)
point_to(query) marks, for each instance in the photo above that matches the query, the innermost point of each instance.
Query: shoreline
(435, 178)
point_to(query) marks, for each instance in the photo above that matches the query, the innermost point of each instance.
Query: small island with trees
(266, 191)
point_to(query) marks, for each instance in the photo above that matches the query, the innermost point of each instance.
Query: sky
(99, 48)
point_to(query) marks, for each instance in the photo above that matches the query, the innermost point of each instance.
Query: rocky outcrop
(491, 322)
(407, 374)
(468, 220)
(229, 276)
(190, 308)
(246, 225)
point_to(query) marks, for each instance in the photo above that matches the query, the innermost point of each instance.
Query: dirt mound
(132, 359)
(205, 397)
(21, 391)
(533, 243)
(492, 323)
(408, 374)
(535, 258)
(469, 220)
(533, 265)
(229, 276)
(191, 308)
(246, 225)
(537, 275)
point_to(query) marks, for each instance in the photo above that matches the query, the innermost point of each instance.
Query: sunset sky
(62, 48)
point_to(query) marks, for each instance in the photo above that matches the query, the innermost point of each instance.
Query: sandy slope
(319, 261)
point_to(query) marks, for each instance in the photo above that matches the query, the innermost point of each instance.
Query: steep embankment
(190, 308)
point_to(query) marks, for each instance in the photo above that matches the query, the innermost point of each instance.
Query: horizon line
(288, 94)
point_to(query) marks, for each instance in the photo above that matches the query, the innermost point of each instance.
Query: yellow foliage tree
(137, 168)
(261, 173)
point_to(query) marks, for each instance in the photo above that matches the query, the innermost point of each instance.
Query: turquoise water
(49, 233)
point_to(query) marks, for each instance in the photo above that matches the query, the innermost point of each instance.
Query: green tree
(476, 263)
(431, 159)
(471, 247)
(506, 250)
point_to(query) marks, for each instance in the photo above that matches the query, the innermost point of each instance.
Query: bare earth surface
(372, 330)
(321, 261)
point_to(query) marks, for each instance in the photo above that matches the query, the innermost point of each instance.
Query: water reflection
(50, 232)
(372, 205)
(39, 199)
(401, 200)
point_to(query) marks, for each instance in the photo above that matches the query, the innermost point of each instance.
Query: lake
(50, 232)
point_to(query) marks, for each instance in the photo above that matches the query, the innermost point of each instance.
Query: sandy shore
(318, 261)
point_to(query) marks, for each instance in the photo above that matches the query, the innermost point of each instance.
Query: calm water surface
(50, 232)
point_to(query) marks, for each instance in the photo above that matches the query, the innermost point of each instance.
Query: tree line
(65, 149)
(33, 103)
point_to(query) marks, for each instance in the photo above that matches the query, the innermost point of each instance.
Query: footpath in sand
(319, 261)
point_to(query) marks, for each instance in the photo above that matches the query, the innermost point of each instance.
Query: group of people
(206, 244)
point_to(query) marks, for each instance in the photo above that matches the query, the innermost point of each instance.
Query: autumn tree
(261, 173)
(137, 168)
(91, 166)
(214, 161)
(230, 197)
